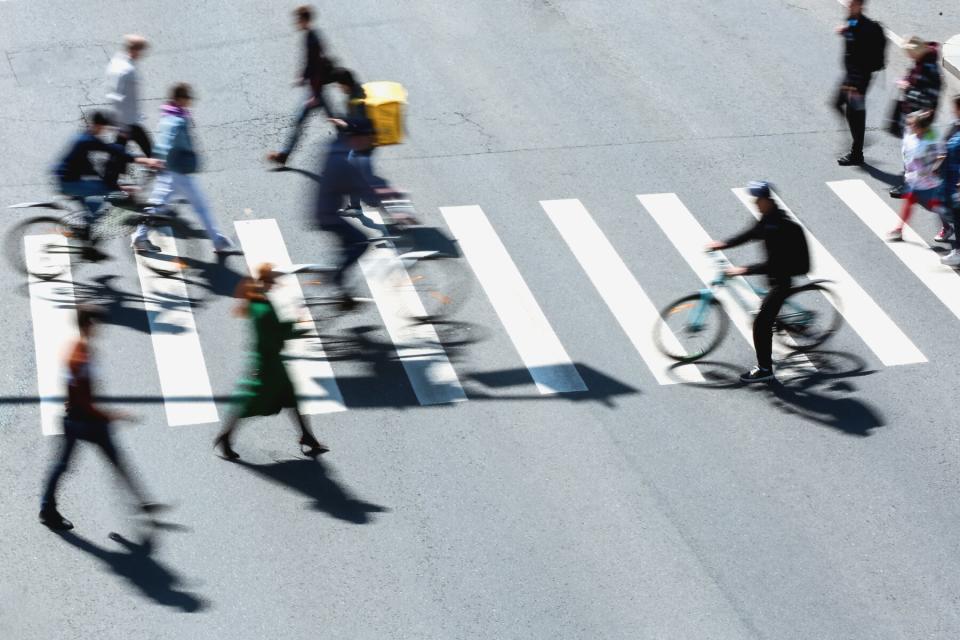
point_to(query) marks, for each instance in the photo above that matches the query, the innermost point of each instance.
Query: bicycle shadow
(313, 478)
(135, 564)
(805, 392)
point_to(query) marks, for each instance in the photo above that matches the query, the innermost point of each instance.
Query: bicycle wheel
(440, 283)
(690, 328)
(41, 246)
(809, 317)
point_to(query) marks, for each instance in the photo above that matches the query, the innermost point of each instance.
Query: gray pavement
(825, 508)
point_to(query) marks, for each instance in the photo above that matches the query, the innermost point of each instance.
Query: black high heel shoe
(311, 447)
(226, 451)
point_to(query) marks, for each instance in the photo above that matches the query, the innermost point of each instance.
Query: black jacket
(785, 244)
(860, 41)
(316, 66)
(339, 179)
(76, 165)
(924, 82)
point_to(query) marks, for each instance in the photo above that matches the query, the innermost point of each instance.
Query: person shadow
(312, 478)
(135, 563)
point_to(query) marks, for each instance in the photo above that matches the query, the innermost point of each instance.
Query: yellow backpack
(385, 102)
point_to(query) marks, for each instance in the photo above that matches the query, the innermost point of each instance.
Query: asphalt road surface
(647, 504)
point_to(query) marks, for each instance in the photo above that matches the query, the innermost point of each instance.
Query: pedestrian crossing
(434, 378)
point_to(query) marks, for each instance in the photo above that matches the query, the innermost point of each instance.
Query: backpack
(876, 48)
(800, 265)
(384, 103)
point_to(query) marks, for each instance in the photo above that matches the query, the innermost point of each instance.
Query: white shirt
(123, 89)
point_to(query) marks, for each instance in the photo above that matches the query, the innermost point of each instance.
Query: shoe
(51, 518)
(952, 259)
(312, 447)
(278, 157)
(347, 302)
(352, 212)
(143, 245)
(895, 236)
(153, 507)
(944, 235)
(850, 160)
(223, 443)
(899, 191)
(224, 245)
(757, 375)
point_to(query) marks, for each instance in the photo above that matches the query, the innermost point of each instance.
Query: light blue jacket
(174, 144)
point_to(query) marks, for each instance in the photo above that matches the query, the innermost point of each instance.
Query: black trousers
(95, 432)
(117, 166)
(353, 243)
(763, 323)
(855, 111)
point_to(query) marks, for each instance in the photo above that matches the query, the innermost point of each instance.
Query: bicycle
(693, 326)
(418, 266)
(45, 246)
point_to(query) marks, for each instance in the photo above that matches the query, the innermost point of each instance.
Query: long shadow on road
(135, 563)
(313, 478)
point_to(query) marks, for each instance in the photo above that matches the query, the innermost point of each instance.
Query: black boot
(898, 191)
(850, 160)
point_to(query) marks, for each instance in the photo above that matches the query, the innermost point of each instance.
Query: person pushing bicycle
(787, 256)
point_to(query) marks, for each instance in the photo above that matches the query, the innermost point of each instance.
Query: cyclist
(361, 158)
(341, 179)
(75, 173)
(787, 256)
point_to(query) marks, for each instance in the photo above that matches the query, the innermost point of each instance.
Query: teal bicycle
(693, 326)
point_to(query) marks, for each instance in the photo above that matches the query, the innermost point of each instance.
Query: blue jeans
(363, 162)
(91, 191)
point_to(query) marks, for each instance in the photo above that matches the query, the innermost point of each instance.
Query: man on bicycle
(340, 180)
(75, 173)
(787, 256)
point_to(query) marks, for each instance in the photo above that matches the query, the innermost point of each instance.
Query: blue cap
(759, 189)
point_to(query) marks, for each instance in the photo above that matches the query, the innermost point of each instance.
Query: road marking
(529, 330)
(914, 252)
(431, 375)
(686, 234)
(625, 298)
(53, 309)
(309, 369)
(862, 313)
(176, 345)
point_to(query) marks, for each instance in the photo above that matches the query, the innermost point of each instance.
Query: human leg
(353, 243)
(763, 325)
(163, 188)
(313, 446)
(48, 503)
(91, 192)
(188, 186)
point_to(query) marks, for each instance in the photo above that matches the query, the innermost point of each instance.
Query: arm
(80, 391)
(751, 233)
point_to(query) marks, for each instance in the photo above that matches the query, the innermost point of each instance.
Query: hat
(914, 44)
(358, 127)
(759, 189)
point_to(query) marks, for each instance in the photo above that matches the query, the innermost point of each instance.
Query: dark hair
(181, 91)
(101, 119)
(304, 12)
(88, 314)
(342, 75)
(956, 100)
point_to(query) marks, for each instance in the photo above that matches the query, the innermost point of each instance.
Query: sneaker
(898, 191)
(895, 236)
(757, 375)
(944, 235)
(143, 245)
(51, 518)
(952, 259)
(850, 160)
(352, 212)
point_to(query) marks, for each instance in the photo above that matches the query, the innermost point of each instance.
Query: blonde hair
(249, 289)
(134, 42)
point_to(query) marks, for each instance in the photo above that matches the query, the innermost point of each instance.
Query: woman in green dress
(267, 388)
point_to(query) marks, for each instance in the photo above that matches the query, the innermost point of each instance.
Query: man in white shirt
(123, 93)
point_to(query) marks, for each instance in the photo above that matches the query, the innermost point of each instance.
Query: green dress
(267, 388)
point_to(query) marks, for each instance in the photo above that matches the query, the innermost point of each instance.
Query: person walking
(123, 94)
(84, 421)
(920, 89)
(950, 174)
(787, 256)
(923, 153)
(176, 148)
(316, 73)
(863, 54)
(267, 388)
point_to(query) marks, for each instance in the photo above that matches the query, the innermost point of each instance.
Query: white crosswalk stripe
(307, 365)
(913, 251)
(431, 375)
(624, 296)
(686, 234)
(529, 330)
(52, 307)
(890, 344)
(184, 383)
